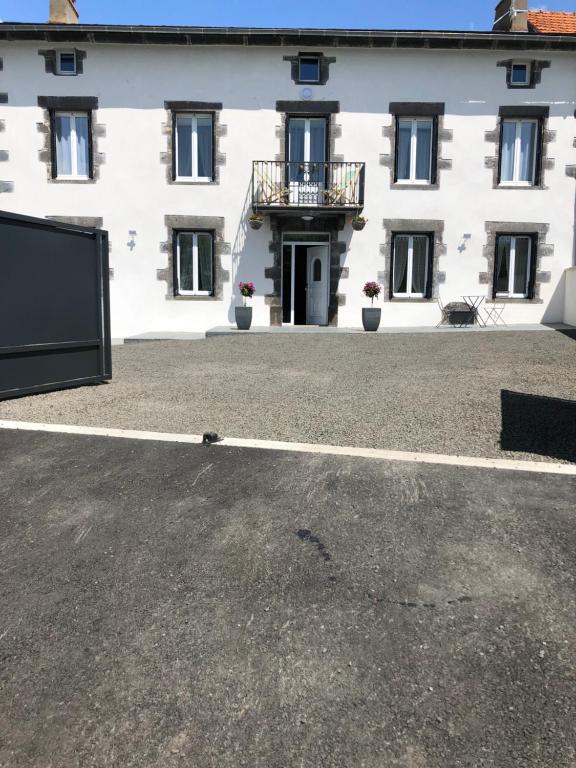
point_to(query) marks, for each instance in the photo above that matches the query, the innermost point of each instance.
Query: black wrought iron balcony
(280, 185)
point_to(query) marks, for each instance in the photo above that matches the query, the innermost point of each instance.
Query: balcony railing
(280, 184)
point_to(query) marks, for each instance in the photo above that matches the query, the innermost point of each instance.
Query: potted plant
(244, 313)
(371, 315)
(358, 223)
(256, 220)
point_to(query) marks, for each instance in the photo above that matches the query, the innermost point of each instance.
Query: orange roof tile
(552, 22)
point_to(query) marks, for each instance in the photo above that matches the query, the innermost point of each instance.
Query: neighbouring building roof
(552, 22)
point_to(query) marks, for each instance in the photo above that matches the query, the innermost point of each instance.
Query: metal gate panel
(54, 305)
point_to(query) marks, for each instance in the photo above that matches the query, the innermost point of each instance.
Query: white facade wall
(133, 81)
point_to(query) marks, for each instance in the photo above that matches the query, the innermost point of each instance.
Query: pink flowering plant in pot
(371, 315)
(244, 313)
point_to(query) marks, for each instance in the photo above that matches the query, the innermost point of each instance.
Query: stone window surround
(168, 158)
(324, 62)
(536, 68)
(442, 136)
(543, 250)
(331, 225)
(50, 61)
(213, 224)
(432, 227)
(546, 137)
(325, 109)
(47, 155)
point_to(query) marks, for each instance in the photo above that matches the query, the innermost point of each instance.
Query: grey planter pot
(255, 223)
(371, 318)
(243, 318)
(358, 225)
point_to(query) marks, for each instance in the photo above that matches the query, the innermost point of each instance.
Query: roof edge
(369, 38)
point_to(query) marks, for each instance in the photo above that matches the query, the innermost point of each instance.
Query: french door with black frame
(307, 154)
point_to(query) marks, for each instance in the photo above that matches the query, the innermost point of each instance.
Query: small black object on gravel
(211, 437)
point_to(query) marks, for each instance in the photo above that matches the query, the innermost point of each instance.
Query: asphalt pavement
(167, 604)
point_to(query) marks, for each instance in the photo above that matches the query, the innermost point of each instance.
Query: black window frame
(309, 57)
(540, 114)
(307, 116)
(417, 110)
(58, 68)
(176, 277)
(53, 111)
(531, 292)
(529, 71)
(430, 272)
(177, 113)
(433, 151)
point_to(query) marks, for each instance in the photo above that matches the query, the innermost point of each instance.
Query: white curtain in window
(403, 149)
(317, 148)
(205, 262)
(521, 265)
(296, 133)
(82, 156)
(400, 278)
(63, 145)
(419, 264)
(186, 261)
(184, 146)
(423, 149)
(508, 143)
(204, 138)
(527, 148)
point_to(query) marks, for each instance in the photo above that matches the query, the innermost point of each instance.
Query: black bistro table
(474, 303)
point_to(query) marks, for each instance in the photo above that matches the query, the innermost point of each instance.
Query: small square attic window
(309, 69)
(520, 74)
(66, 63)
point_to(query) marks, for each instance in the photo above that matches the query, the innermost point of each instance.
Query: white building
(457, 147)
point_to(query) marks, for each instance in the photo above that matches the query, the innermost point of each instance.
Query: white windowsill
(195, 179)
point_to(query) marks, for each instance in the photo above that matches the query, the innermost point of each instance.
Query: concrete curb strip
(377, 454)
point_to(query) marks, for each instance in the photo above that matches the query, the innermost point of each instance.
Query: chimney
(511, 16)
(63, 12)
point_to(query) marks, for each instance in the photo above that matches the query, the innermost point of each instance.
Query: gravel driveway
(493, 394)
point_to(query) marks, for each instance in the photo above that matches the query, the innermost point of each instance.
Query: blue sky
(386, 14)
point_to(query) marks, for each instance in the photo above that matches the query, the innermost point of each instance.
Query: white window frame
(525, 82)
(517, 152)
(308, 58)
(512, 267)
(413, 148)
(73, 145)
(59, 70)
(410, 237)
(194, 117)
(194, 234)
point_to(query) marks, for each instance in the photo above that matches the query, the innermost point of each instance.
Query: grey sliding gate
(54, 305)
